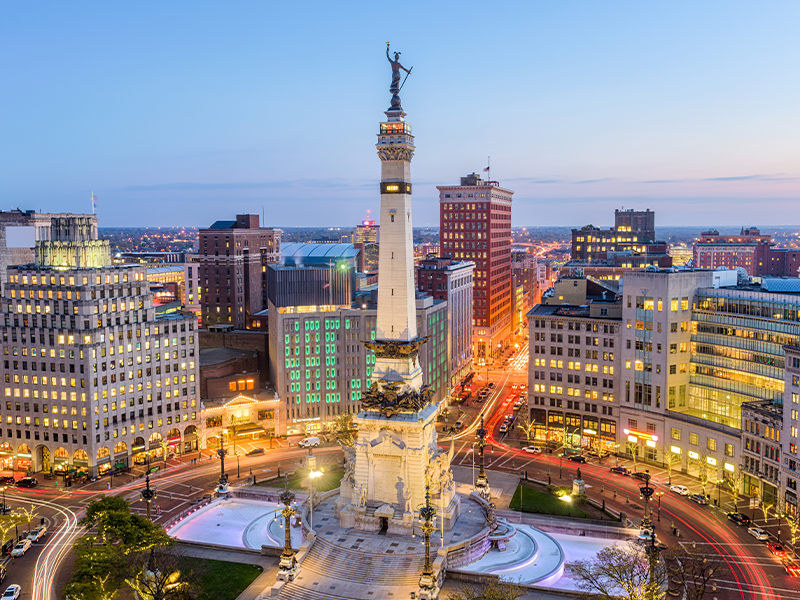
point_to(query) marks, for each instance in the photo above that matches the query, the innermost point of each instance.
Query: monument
(396, 453)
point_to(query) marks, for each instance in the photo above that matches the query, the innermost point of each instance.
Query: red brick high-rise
(233, 270)
(475, 220)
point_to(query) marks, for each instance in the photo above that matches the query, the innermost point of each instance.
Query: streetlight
(288, 563)
(472, 452)
(221, 452)
(312, 475)
(659, 494)
(148, 494)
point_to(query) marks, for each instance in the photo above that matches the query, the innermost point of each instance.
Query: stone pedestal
(390, 459)
(578, 486)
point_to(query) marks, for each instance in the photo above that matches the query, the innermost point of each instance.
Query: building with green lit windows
(318, 362)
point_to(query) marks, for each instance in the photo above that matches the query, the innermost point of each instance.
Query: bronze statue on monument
(396, 85)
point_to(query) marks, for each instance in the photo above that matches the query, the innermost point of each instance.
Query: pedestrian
(602, 489)
(615, 494)
(158, 508)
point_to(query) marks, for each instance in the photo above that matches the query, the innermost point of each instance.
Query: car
(21, 548)
(777, 549)
(12, 592)
(516, 407)
(791, 568)
(503, 427)
(680, 489)
(641, 475)
(532, 449)
(255, 451)
(577, 458)
(37, 534)
(738, 518)
(620, 470)
(490, 385)
(758, 533)
(27, 482)
(699, 498)
(459, 424)
(309, 442)
(7, 480)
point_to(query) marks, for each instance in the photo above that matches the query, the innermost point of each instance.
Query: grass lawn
(329, 480)
(537, 501)
(220, 580)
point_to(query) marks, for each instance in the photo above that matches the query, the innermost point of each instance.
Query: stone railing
(186, 512)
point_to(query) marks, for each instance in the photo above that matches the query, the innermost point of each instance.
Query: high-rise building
(452, 281)
(93, 378)
(367, 233)
(632, 232)
(233, 270)
(475, 222)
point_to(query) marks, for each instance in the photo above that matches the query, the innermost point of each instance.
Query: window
(672, 369)
(711, 444)
(676, 434)
(633, 424)
(693, 439)
(684, 303)
(729, 450)
(673, 305)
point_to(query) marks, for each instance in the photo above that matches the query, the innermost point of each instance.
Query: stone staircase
(331, 571)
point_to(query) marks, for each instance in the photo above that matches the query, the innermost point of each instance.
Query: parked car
(739, 518)
(620, 470)
(490, 385)
(12, 592)
(699, 498)
(459, 424)
(758, 533)
(532, 449)
(641, 475)
(21, 548)
(777, 549)
(504, 428)
(680, 489)
(577, 458)
(791, 568)
(255, 451)
(7, 480)
(309, 442)
(27, 482)
(37, 534)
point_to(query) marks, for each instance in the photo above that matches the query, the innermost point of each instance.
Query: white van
(309, 442)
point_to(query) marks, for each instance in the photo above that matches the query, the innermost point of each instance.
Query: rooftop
(319, 254)
(215, 356)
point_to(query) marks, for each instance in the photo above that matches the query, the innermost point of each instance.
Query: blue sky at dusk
(183, 113)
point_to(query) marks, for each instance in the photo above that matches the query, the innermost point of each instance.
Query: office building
(632, 232)
(452, 281)
(475, 220)
(93, 378)
(681, 255)
(751, 250)
(233, 270)
(573, 369)
(789, 433)
(369, 232)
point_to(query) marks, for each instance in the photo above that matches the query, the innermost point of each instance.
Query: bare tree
(527, 425)
(672, 458)
(703, 468)
(496, 590)
(157, 575)
(633, 449)
(695, 571)
(765, 506)
(343, 430)
(621, 571)
(794, 529)
(28, 515)
(734, 483)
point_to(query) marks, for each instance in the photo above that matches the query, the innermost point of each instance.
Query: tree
(694, 571)
(28, 515)
(701, 462)
(633, 449)
(7, 523)
(527, 426)
(672, 458)
(734, 483)
(620, 571)
(158, 575)
(765, 506)
(107, 558)
(794, 528)
(496, 590)
(343, 430)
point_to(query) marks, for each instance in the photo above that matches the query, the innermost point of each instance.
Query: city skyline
(179, 117)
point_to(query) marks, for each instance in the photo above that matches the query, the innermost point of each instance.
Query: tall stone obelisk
(396, 451)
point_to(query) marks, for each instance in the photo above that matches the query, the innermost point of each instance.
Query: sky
(183, 113)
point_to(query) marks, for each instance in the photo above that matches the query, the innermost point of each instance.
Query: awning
(174, 439)
(249, 428)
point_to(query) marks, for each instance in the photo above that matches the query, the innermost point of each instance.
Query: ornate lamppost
(647, 524)
(222, 488)
(148, 493)
(482, 482)
(287, 568)
(428, 582)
